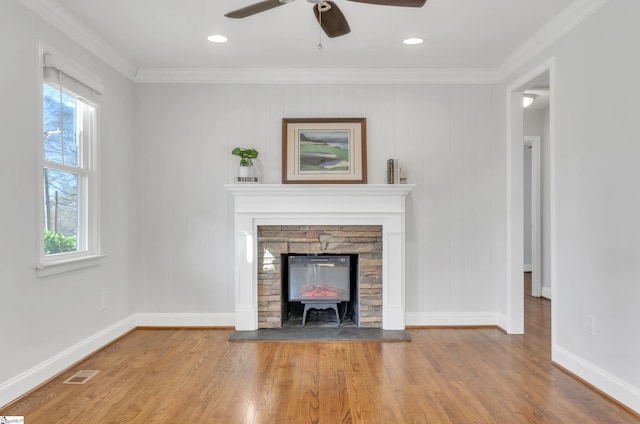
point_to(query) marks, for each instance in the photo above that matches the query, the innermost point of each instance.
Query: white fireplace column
(319, 204)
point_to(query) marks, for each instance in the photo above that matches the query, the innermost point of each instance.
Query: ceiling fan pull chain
(319, 27)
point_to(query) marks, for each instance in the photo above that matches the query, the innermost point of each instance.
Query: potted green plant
(245, 155)
(246, 171)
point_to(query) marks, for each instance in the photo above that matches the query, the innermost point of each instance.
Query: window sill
(52, 268)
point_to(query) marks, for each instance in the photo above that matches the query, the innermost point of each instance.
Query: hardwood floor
(441, 376)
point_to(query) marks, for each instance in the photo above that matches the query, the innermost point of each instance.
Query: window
(68, 222)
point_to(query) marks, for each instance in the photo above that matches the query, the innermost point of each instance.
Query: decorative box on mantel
(320, 204)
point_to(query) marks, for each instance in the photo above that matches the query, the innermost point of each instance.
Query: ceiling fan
(329, 16)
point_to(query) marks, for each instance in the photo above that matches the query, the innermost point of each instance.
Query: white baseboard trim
(528, 268)
(32, 378)
(184, 320)
(502, 322)
(19, 385)
(619, 390)
(546, 292)
(444, 319)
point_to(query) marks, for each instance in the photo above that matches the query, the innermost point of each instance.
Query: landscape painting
(324, 150)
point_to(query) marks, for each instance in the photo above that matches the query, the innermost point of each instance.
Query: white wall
(42, 317)
(594, 136)
(441, 133)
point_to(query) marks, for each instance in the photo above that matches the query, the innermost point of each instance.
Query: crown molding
(81, 34)
(578, 12)
(315, 76)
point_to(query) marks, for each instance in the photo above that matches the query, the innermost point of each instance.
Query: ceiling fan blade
(402, 3)
(333, 21)
(254, 8)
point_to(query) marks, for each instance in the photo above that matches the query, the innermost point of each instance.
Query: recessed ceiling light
(217, 38)
(412, 41)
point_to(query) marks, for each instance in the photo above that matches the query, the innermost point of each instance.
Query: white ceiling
(459, 34)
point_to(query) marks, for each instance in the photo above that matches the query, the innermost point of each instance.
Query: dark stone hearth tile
(319, 334)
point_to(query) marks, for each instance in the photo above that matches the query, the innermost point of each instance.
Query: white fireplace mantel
(319, 204)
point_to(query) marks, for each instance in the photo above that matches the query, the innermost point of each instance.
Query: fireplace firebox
(319, 278)
(320, 282)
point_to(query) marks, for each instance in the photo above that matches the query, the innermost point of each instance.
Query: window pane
(58, 123)
(61, 211)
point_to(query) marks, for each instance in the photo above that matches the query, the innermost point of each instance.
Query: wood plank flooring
(442, 376)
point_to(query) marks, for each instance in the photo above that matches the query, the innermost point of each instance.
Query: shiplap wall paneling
(416, 164)
(439, 132)
(485, 231)
(471, 136)
(443, 192)
(460, 200)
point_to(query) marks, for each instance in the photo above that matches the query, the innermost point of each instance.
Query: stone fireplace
(276, 240)
(309, 209)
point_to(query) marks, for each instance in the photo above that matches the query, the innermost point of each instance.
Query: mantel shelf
(324, 189)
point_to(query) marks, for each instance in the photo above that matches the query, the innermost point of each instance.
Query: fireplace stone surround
(257, 205)
(276, 240)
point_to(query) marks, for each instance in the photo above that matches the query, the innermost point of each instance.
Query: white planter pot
(245, 171)
(247, 174)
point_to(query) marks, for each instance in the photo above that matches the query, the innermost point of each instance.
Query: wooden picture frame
(324, 151)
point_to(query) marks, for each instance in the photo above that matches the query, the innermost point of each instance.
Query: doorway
(515, 208)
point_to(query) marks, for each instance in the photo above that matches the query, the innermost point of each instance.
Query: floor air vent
(81, 377)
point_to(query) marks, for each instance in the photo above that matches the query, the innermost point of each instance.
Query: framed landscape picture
(324, 151)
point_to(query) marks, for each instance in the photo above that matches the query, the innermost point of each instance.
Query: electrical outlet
(103, 300)
(592, 325)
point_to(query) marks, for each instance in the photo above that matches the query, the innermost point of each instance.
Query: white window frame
(88, 251)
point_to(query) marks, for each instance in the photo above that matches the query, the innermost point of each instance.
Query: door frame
(514, 269)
